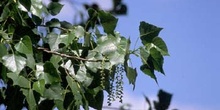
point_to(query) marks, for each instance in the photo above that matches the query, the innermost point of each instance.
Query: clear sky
(191, 31)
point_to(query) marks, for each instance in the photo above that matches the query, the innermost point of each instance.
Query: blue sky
(191, 31)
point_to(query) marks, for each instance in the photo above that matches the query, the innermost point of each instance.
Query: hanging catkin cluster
(116, 85)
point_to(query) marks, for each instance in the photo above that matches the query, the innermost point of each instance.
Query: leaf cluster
(48, 64)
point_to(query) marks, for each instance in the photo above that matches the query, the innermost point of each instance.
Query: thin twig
(61, 28)
(68, 56)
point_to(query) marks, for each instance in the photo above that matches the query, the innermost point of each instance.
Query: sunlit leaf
(54, 40)
(79, 31)
(39, 70)
(83, 76)
(54, 8)
(113, 47)
(14, 63)
(37, 8)
(69, 67)
(19, 80)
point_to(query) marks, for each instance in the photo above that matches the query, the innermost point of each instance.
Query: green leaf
(32, 105)
(4, 35)
(144, 55)
(50, 74)
(148, 32)
(94, 66)
(83, 76)
(39, 86)
(93, 18)
(54, 40)
(66, 25)
(37, 8)
(113, 47)
(30, 61)
(53, 23)
(54, 92)
(3, 50)
(54, 8)
(95, 100)
(160, 45)
(107, 45)
(108, 22)
(26, 4)
(149, 36)
(131, 75)
(39, 70)
(3, 71)
(154, 50)
(37, 20)
(14, 63)
(47, 72)
(5, 14)
(75, 90)
(19, 80)
(157, 60)
(55, 59)
(79, 31)
(148, 69)
(69, 67)
(24, 45)
(59, 104)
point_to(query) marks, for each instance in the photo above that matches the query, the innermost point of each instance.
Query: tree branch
(61, 28)
(68, 56)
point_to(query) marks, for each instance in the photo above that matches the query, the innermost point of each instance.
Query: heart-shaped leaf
(24, 46)
(14, 63)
